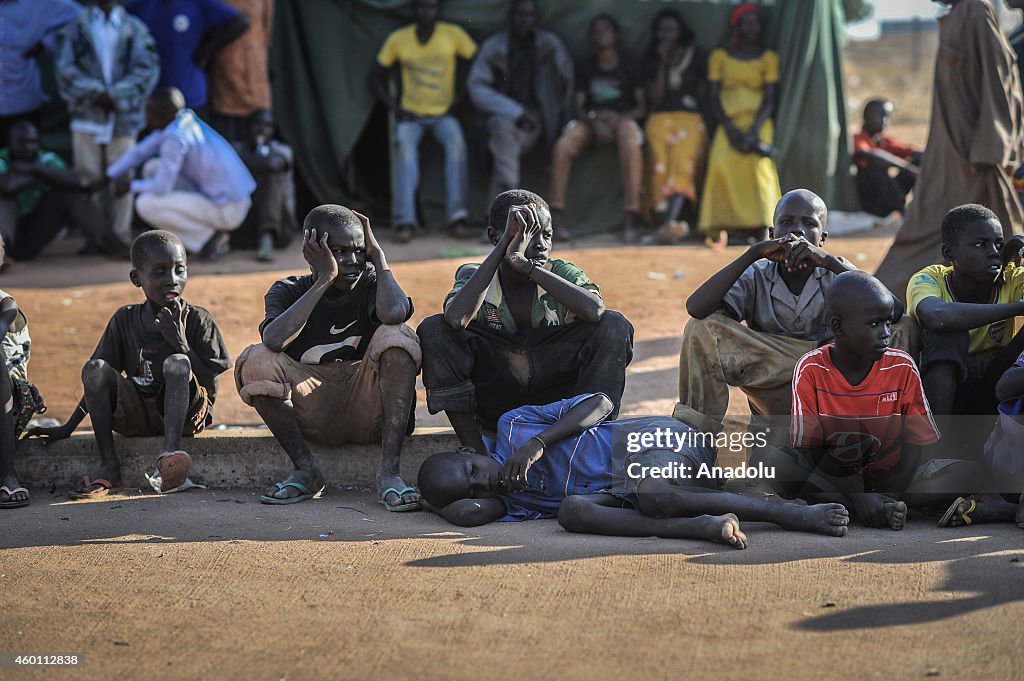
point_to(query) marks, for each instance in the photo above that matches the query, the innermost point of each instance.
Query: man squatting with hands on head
(520, 328)
(337, 363)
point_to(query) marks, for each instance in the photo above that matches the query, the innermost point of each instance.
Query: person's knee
(408, 149)
(615, 322)
(434, 329)
(628, 133)
(177, 367)
(396, 362)
(568, 146)
(97, 375)
(454, 143)
(147, 206)
(572, 513)
(654, 498)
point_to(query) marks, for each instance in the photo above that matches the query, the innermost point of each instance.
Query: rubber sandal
(85, 493)
(400, 507)
(174, 468)
(10, 493)
(951, 512)
(305, 494)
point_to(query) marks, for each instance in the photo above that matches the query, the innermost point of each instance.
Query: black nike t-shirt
(129, 347)
(340, 326)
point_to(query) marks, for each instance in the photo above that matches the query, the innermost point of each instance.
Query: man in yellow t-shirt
(967, 311)
(426, 53)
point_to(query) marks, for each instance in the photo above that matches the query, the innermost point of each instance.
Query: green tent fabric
(323, 51)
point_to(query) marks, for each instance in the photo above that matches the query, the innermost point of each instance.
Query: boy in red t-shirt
(874, 153)
(859, 411)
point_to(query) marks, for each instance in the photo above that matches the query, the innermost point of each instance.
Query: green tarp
(323, 50)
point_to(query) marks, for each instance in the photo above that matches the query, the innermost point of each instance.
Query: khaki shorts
(335, 403)
(139, 415)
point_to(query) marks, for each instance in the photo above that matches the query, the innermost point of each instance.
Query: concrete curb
(243, 458)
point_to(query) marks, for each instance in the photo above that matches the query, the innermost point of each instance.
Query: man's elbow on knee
(595, 313)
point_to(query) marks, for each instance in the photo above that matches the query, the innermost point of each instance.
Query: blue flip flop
(398, 508)
(305, 494)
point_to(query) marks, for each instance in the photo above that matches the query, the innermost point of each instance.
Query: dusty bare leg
(280, 418)
(602, 514)
(8, 475)
(398, 390)
(662, 498)
(99, 381)
(177, 375)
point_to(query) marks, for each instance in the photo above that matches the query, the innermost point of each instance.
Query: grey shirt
(761, 298)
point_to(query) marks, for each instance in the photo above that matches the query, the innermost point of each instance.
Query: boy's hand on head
(170, 322)
(529, 227)
(373, 248)
(49, 434)
(513, 225)
(321, 261)
(518, 465)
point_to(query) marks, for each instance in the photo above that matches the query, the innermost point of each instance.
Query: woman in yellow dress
(676, 72)
(742, 186)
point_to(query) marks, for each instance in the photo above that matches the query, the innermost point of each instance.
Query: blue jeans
(408, 134)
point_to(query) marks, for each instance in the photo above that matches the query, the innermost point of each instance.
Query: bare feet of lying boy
(879, 510)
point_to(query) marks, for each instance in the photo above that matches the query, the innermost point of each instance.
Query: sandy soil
(213, 585)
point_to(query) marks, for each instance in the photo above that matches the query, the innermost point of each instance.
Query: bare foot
(724, 529)
(828, 519)
(895, 513)
(878, 510)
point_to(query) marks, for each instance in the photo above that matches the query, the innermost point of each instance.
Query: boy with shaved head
(859, 411)
(778, 288)
(337, 363)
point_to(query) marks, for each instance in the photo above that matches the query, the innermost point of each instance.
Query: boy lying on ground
(632, 477)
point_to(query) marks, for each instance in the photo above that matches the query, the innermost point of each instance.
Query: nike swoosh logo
(335, 332)
(315, 354)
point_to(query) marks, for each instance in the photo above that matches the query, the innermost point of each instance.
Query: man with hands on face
(337, 363)
(520, 328)
(778, 288)
(154, 371)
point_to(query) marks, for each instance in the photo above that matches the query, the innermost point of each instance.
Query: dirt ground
(214, 585)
